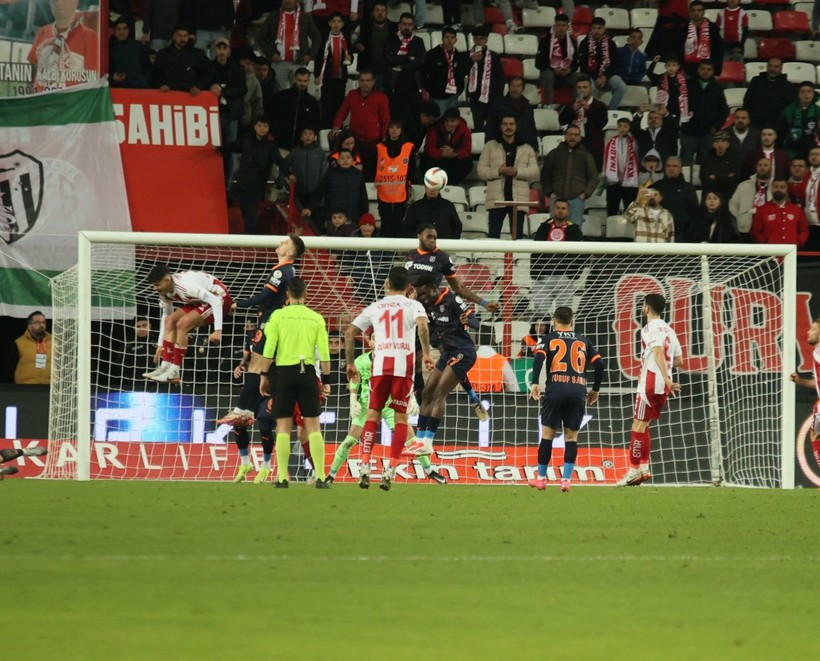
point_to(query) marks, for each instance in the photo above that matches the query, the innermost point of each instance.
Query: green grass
(128, 570)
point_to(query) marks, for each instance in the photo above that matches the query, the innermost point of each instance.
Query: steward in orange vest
(394, 171)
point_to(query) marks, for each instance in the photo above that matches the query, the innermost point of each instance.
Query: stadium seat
(774, 47)
(477, 196)
(546, 119)
(754, 68)
(797, 72)
(759, 21)
(734, 96)
(499, 28)
(426, 38)
(634, 97)
(616, 19)
(531, 72)
(791, 22)
(495, 42)
(550, 142)
(521, 44)
(532, 93)
(461, 40)
(806, 7)
(643, 18)
(435, 14)
(614, 116)
(807, 51)
(616, 228)
(597, 200)
(694, 175)
(493, 15)
(594, 223)
(467, 115)
(733, 72)
(478, 143)
(477, 277)
(581, 19)
(512, 67)
(749, 49)
(711, 15)
(620, 40)
(540, 17)
(372, 193)
(457, 195)
(394, 13)
(476, 223)
(324, 143)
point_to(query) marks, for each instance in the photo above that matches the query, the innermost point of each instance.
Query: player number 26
(577, 356)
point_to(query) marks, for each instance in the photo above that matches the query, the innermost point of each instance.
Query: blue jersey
(446, 329)
(437, 263)
(274, 294)
(567, 355)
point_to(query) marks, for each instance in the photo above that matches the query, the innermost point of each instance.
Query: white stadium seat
(531, 72)
(475, 222)
(521, 44)
(550, 142)
(634, 97)
(435, 15)
(616, 19)
(797, 72)
(643, 18)
(546, 119)
(478, 142)
(616, 228)
(477, 195)
(759, 20)
(540, 17)
(754, 68)
(734, 96)
(808, 51)
(456, 194)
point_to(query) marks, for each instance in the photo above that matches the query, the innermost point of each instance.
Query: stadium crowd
(352, 101)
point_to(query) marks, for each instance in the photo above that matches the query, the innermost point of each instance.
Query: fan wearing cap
(720, 167)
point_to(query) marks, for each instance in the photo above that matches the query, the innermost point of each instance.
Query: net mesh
(720, 429)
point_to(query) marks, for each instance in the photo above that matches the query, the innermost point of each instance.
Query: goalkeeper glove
(412, 405)
(355, 406)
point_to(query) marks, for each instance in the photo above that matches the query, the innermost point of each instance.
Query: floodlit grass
(128, 570)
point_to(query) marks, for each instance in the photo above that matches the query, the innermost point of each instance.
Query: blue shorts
(461, 360)
(565, 411)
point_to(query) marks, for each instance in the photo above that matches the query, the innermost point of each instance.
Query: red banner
(173, 171)
(219, 462)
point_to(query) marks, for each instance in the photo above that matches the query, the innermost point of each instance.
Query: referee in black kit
(292, 336)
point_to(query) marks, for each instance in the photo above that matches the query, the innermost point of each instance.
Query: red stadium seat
(512, 67)
(773, 47)
(791, 21)
(581, 16)
(733, 72)
(493, 15)
(475, 276)
(499, 28)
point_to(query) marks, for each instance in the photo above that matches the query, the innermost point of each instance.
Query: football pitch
(146, 570)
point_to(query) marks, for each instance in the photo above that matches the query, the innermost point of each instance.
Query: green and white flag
(60, 172)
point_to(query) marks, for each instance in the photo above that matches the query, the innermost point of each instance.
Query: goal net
(733, 310)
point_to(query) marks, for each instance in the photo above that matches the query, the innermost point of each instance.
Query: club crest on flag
(21, 194)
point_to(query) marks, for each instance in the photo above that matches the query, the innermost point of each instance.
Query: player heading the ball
(205, 300)
(394, 320)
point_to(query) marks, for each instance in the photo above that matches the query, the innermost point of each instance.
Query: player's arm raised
(465, 292)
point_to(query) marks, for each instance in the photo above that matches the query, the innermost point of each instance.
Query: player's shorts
(294, 387)
(388, 386)
(298, 418)
(388, 415)
(460, 360)
(204, 310)
(565, 411)
(649, 406)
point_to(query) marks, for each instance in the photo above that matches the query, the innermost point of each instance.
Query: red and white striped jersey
(393, 320)
(733, 23)
(816, 356)
(657, 333)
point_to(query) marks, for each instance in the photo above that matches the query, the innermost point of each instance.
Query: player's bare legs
(178, 327)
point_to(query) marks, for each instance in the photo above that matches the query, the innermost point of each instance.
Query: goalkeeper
(359, 397)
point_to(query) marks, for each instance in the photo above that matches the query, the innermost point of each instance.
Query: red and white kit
(393, 320)
(200, 292)
(652, 391)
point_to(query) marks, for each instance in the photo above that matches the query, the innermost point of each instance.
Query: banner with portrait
(50, 44)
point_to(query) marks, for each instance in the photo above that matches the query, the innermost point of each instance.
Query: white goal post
(732, 305)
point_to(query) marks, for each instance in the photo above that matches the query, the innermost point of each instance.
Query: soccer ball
(435, 179)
